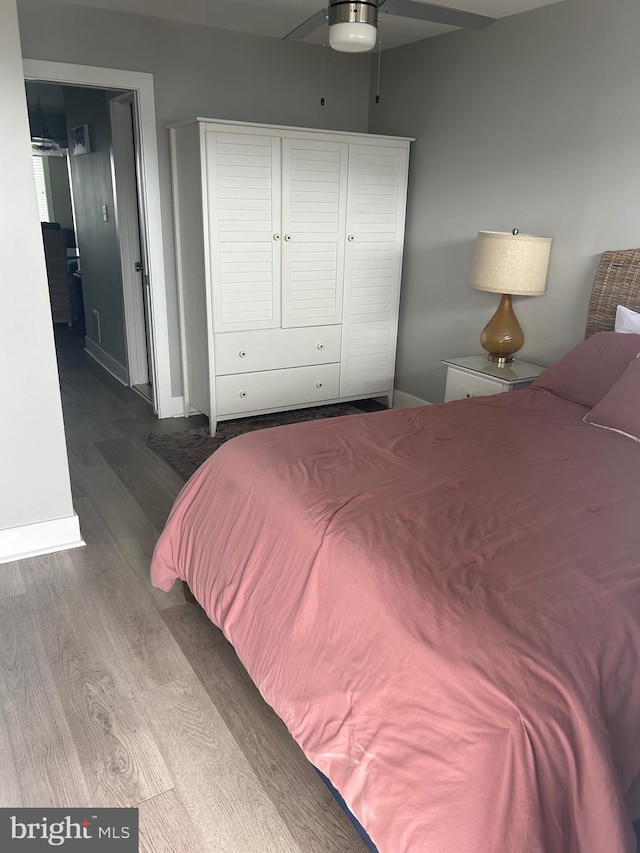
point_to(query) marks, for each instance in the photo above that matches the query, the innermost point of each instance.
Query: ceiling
(276, 18)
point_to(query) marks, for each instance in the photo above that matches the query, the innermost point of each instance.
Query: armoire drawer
(274, 349)
(268, 389)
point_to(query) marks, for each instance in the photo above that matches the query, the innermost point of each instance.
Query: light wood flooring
(116, 694)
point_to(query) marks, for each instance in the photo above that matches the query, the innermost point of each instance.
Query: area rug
(186, 451)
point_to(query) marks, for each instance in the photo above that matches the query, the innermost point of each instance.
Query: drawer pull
(318, 384)
(320, 345)
(243, 394)
(242, 353)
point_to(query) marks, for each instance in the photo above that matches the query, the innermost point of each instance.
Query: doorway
(85, 144)
(92, 210)
(154, 327)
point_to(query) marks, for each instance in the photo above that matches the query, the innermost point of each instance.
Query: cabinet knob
(467, 395)
(242, 353)
(320, 345)
(276, 237)
(318, 384)
(351, 238)
(287, 237)
(243, 394)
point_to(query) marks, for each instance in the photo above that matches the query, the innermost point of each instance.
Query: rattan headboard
(617, 282)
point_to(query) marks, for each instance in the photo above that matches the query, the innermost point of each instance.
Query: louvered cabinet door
(373, 261)
(243, 191)
(314, 191)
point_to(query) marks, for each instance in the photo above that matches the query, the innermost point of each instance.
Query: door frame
(142, 84)
(125, 192)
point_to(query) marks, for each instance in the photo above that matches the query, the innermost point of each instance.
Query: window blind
(41, 188)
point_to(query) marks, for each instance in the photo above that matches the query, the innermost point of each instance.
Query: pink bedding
(443, 605)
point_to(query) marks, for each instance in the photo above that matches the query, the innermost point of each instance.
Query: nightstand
(476, 376)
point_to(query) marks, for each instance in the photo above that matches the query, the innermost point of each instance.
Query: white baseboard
(178, 408)
(117, 370)
(43, 537)
(402, 400)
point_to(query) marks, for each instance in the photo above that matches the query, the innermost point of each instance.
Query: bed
(443, 603)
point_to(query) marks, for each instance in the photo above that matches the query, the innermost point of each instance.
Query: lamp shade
(510, 263)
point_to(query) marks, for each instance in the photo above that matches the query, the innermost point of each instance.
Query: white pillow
(627, 321)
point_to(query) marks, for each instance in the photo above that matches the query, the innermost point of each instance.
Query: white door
(243, 191)
(314, 192)
(133, 253)
(373, 262)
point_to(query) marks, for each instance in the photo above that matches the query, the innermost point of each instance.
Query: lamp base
(503, 335)
(500, 360)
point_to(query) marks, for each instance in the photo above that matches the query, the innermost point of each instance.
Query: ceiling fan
(353, 25)
(44, 145)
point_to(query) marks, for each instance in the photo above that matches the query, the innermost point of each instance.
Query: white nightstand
(476, 376)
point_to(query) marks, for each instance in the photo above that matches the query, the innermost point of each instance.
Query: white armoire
(289, 256)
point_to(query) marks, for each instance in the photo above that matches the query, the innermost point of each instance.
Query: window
(41, 188)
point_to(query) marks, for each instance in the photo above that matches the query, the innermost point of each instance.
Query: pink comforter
(443, 605)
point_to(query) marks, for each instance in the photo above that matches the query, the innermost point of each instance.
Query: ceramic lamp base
(503, 335)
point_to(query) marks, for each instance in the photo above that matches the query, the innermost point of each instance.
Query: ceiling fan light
(353, 37)
(42, 147)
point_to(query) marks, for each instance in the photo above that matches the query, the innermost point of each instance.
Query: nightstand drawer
(474, 376)
(461, 385)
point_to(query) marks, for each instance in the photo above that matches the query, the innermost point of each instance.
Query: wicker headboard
(617, 282)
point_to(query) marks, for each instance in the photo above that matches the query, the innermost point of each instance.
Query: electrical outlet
(96, 315)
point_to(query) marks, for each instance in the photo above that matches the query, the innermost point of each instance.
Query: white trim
(402, 400)
(374, 138)
(207, 164)
(43, 537)
(142, 84)
(127, 226)
(179, 408)
(117, 370)
(177, 237)
(609, 428)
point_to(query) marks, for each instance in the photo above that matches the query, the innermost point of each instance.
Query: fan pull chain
(324, 46)
(379, 61)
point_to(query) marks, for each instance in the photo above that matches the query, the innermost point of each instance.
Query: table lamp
(508, 263)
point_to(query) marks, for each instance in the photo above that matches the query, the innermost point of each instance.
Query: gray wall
(532, 123)
(199, 71)
(97, 240)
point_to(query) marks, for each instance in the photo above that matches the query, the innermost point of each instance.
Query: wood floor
(116, 694)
